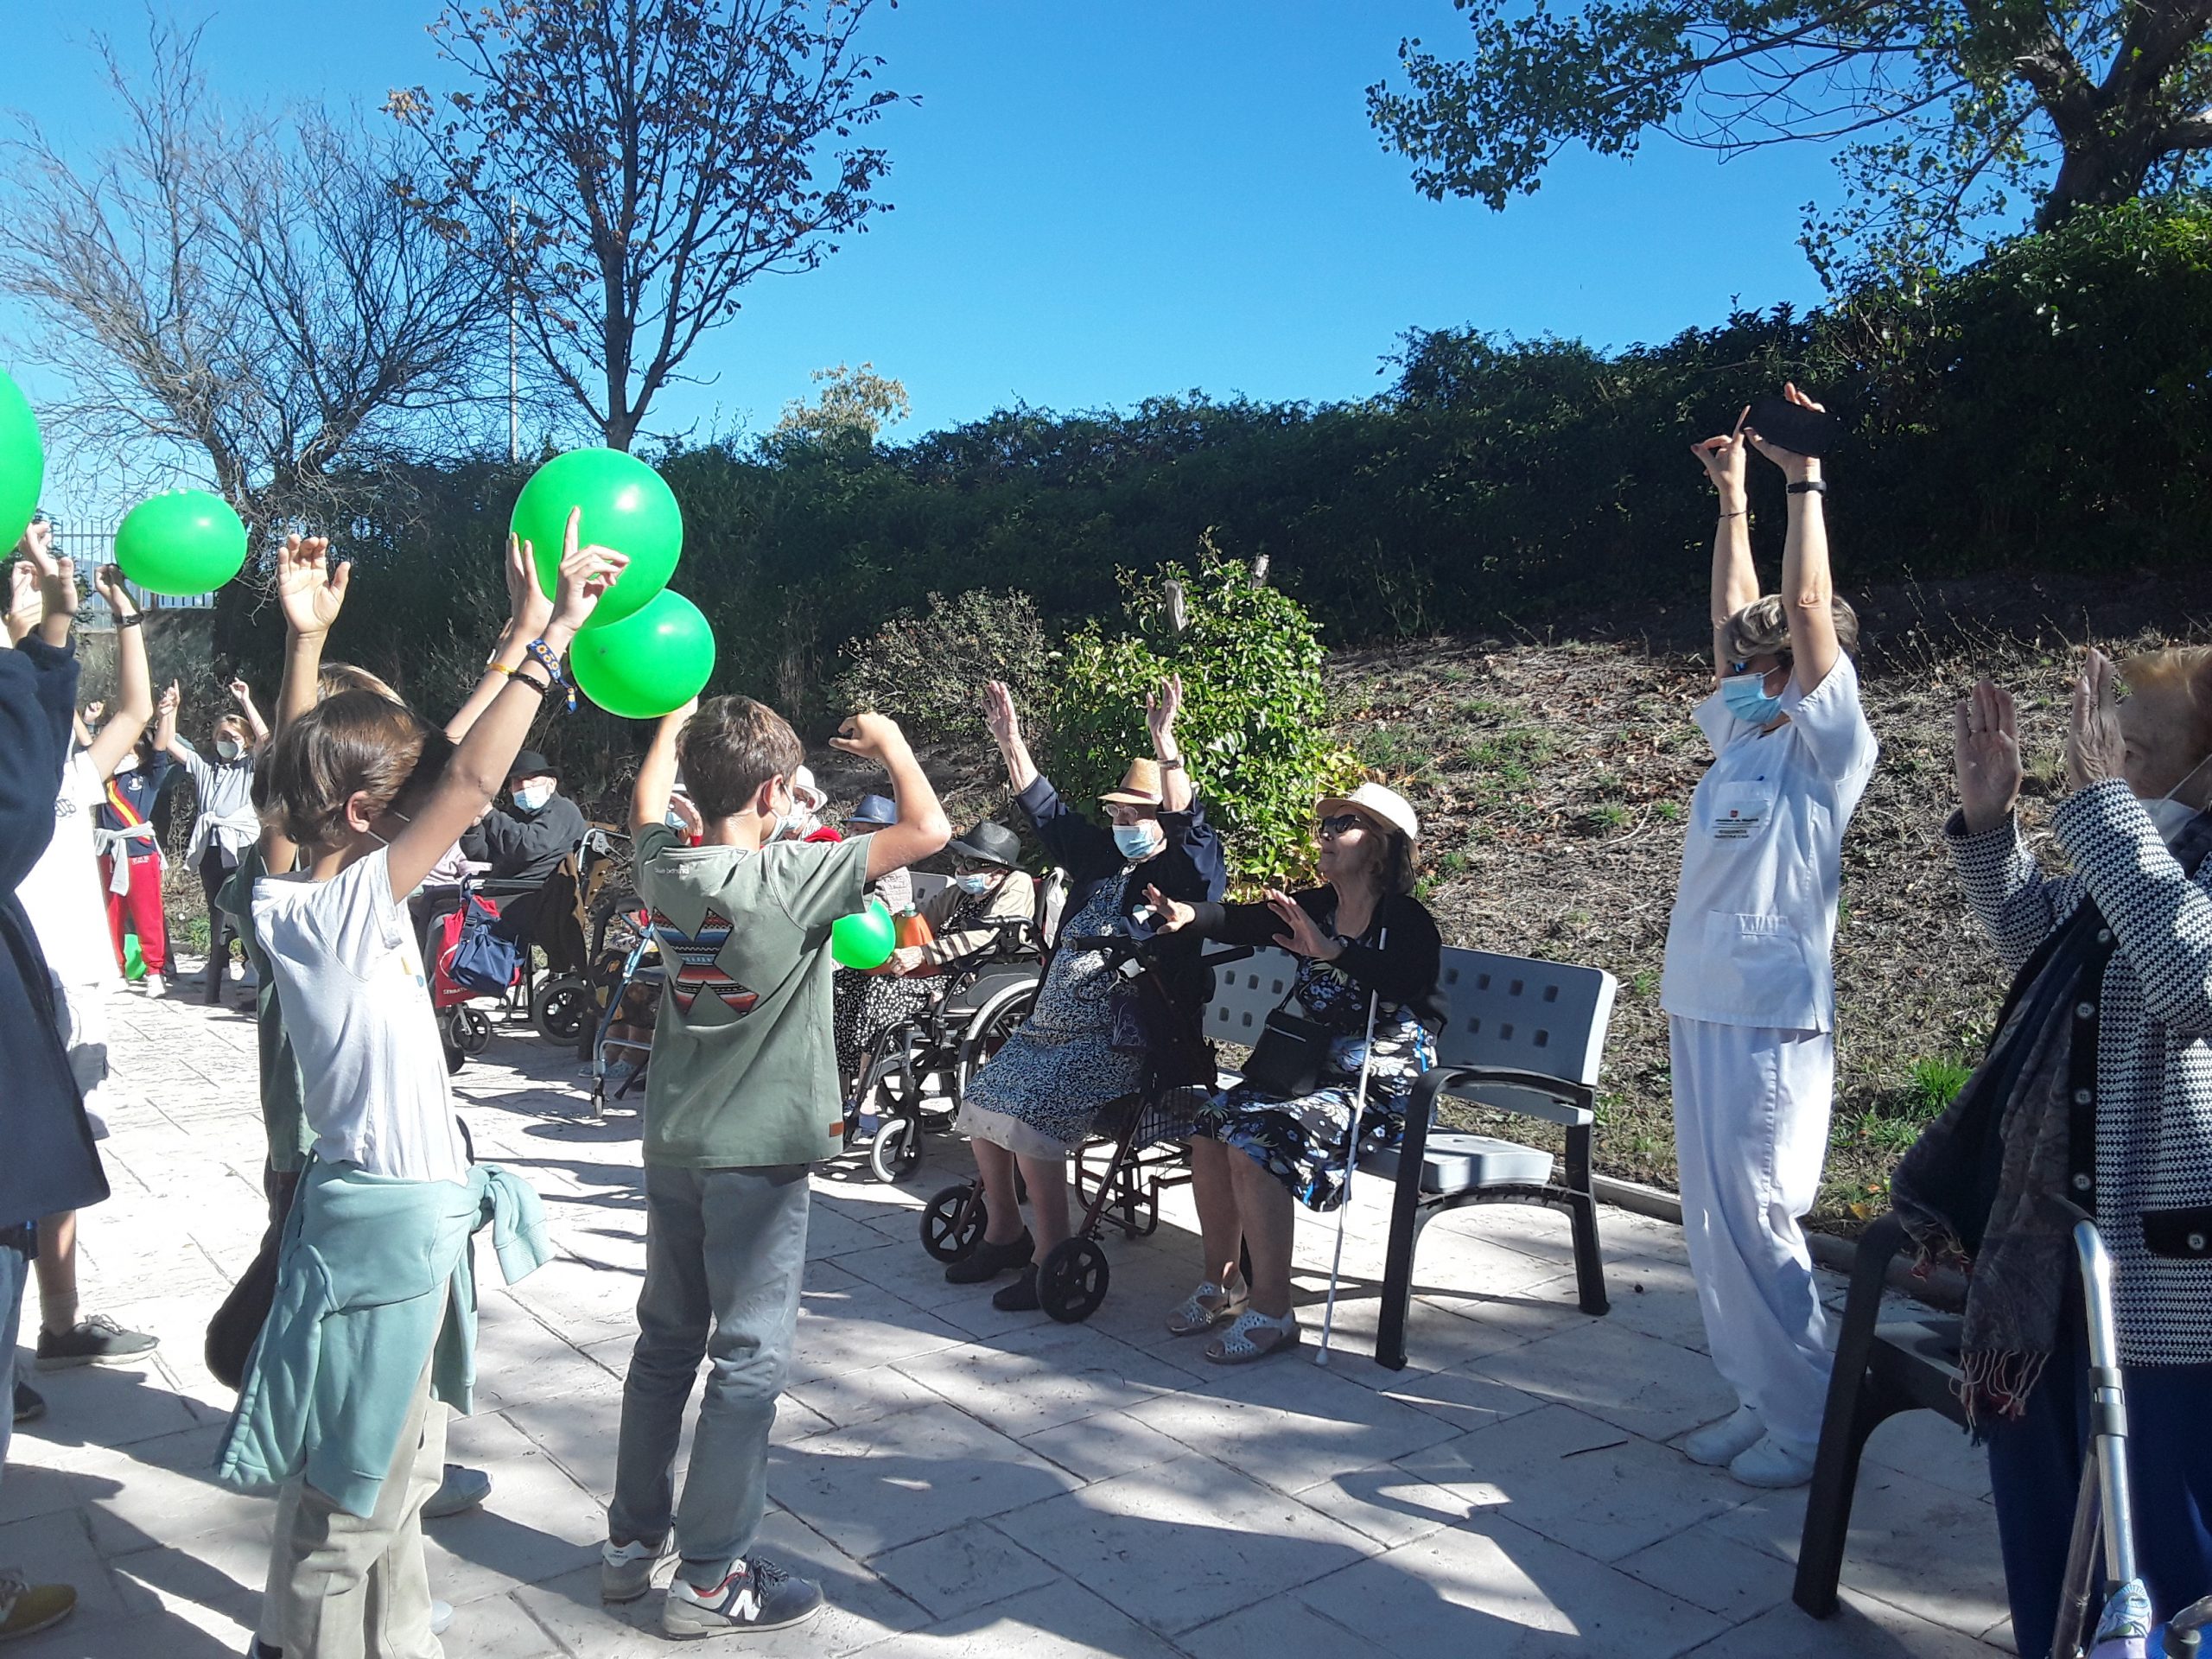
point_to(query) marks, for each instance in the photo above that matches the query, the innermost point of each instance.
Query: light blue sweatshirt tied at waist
(374, 1278)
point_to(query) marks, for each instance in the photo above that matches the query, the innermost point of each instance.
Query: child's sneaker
(625, 1571)
(157, 986)
(757, 1595)
(26, 1608)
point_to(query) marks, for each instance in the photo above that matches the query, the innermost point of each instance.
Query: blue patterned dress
(1301, 1142)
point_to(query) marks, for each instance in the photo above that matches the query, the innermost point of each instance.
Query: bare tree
(252, 291)
(662, 155)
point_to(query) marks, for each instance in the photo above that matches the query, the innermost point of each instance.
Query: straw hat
(1141, 787)
(1384, 806)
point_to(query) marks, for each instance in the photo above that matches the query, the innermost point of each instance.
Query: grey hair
(1762, 629)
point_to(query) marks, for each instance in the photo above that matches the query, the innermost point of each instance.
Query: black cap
(531, 764)
(990, 843)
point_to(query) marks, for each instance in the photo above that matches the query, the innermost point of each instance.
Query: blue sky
(1101, 200)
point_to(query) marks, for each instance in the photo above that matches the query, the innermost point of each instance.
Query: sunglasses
(1783, 658)
(1342, 823)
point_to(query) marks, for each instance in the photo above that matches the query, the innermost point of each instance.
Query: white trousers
(1751, 1133)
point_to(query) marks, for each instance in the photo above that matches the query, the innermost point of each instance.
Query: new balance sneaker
(1723, 1442)
(1773, 1463)
(97, 1341)
(462, 1489)
(26, 1608)
(757, 1595)
(625, 1571)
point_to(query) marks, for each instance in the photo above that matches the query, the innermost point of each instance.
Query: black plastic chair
(1881, 1369)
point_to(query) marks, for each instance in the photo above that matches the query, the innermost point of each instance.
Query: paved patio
(968, 1482)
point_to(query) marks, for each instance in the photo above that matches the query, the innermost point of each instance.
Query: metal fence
(92, 545)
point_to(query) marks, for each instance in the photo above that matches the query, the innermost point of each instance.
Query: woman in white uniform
(1748, 988)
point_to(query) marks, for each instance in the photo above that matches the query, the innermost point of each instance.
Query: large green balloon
(181, 542)
(626, 506)
(646, 664)
(23, 464)
(865, 939)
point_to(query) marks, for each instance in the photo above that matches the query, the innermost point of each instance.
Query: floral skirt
(1303, 1142)
(862, 1007)
(1039, 1094)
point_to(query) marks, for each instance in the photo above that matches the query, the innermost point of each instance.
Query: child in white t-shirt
(368, 799)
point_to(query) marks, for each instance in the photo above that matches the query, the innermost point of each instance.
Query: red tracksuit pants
(141, 908)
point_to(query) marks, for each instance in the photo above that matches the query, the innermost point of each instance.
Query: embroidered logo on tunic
(694, 957)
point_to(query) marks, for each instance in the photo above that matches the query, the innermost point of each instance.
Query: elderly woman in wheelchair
(1367, 987)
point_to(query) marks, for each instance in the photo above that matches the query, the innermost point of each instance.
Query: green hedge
(2047, 409)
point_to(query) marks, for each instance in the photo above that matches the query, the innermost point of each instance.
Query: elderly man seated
(526, 839)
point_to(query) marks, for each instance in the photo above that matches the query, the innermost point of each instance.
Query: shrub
(925, 668)
(1255, 724)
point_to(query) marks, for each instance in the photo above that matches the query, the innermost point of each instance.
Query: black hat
(528, 763)
(990, 843)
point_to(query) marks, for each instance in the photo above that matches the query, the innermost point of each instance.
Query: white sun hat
(1384, 806)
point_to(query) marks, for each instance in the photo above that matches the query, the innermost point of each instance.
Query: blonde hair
(345, 677)
(2185, 672)
(1761, 628)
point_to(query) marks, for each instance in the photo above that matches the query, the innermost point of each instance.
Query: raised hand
(108, 581)
(94, 710)
(170, 699)
(241, 693)
(1169, 916)
(25, 607)
(586, 574)
(998, 714)
(1161, 708)
(1300, 936)
(870, 736)
(681, 809)
(1723, 459)
(310, 589)
(528, 609)
(1988, 747)
(2094, 749)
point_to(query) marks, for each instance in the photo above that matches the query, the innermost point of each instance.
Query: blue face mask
(1744, 696)
(974, 883)
(1138, 841)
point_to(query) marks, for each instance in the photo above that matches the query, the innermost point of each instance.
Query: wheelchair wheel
(896, 1151)
(989, 1035)
(468, 1029)
(952, 1225)
(1071, 1280)
(559, 1009)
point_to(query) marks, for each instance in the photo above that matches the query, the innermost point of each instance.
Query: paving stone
(1631, 1381)
(1708, 1568)
(1108, 1444)
(1059, 1621)
(1181, 1543)
(906, 1476)
(962, 1569)
(1578, 1481)
(1863, 1628)
(861, 1328)
(1023, 1385)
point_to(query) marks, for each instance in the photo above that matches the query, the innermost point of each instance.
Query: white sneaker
(157, 986)
(1721, 1443)
(440, 1617)
(234, 970)
(1773, 1463)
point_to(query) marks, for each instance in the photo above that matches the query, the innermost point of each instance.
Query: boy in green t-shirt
(742, 1097)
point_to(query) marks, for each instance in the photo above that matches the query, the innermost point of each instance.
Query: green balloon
(134, 964)
(626, 506)
(865, 939)
(181, 542)
(646, 664)
(23, 464)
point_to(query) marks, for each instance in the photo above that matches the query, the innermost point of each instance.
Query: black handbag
(1286, 1061)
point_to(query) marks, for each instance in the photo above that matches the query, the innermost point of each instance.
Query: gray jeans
(725, 1250)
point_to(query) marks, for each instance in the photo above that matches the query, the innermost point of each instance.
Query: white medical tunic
(1754, 922)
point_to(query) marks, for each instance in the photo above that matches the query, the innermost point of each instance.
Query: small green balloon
(626, 506)
(181, 542)
(23, 464)
(645, 665)
(134, 963)
(865, 939)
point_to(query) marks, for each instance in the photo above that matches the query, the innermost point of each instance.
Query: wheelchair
(915, 1069)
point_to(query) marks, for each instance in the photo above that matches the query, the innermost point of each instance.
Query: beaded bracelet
(542, 654)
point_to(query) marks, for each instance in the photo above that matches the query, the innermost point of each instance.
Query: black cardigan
(1403, 969)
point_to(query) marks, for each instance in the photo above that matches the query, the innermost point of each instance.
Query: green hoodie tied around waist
(362, 1302)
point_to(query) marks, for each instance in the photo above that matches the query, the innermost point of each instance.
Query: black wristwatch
(1809, 487)
(131, 620)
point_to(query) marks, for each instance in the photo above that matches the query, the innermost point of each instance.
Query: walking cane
(1351, 1156)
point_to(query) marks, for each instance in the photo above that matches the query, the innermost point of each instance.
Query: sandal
(1204, 1308)
(1254, 1335)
